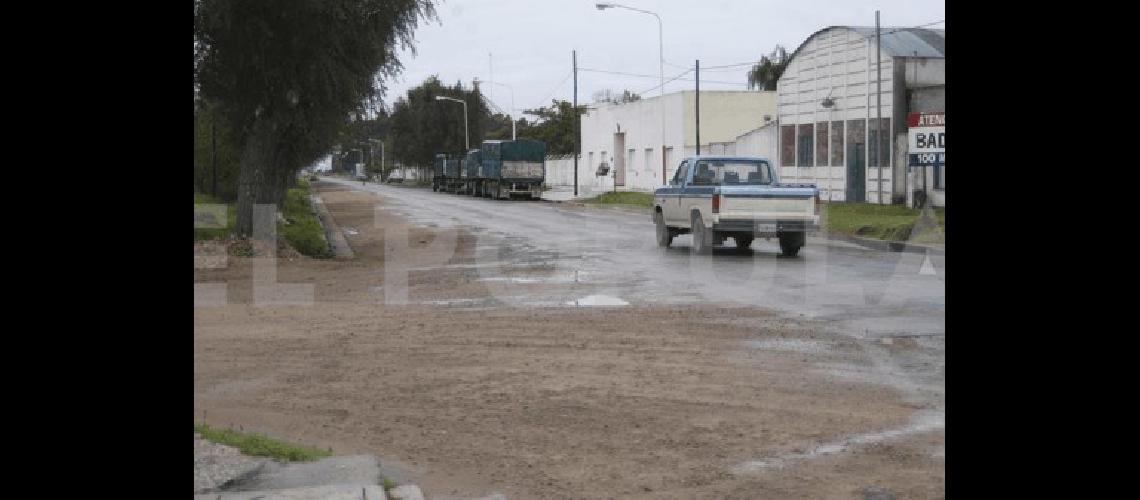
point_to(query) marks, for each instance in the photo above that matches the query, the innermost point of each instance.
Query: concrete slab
(216, 465)
(351, 469)
(327, 492)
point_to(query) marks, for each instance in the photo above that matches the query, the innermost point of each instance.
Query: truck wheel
(790, 243)
(743, 242)
(664, 235)
(702, 237)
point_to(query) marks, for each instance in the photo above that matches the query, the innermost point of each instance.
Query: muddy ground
(476, 396)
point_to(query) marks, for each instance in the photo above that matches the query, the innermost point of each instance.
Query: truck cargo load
(514, 168)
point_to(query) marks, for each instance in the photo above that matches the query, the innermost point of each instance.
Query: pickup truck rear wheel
(664, 235)
(702, 237)
(743, 242)
(790, 243)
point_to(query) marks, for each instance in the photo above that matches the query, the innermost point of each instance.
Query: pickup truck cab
(717, 197)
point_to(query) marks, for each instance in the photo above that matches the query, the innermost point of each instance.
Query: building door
(856, 173)
(619, 159)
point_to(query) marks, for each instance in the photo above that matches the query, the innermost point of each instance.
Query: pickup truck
(717, 197)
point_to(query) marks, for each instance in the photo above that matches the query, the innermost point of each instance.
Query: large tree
(286, 74)
(765, 74)
(423, 126)
(553, 125)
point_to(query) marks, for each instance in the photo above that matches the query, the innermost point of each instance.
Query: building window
(787, 145)
(629, 164)
(821, 144)
(805, 145)
(590, 163)
(837, 143)
(648, 158)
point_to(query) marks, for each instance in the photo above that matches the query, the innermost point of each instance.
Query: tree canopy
(286, 74)
(764, 75)
(553, 125)
(423, 126)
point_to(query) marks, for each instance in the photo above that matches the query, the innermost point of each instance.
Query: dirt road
(485, 373)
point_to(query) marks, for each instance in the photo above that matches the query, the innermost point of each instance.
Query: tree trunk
(256, 182)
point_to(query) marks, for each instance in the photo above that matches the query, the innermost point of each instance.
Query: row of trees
(419, 126)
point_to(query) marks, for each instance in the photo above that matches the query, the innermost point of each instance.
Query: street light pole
(660, 69)
(466, 137)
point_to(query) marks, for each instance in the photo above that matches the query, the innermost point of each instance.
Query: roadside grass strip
(886, 222)
(260, 446)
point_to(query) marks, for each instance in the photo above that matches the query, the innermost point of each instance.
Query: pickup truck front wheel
(702, 237)
(664, 235)
(790, 243)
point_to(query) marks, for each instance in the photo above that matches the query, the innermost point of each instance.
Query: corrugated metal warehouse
(828, 108)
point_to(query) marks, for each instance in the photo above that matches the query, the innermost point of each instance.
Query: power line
(655, 76)
(555, 89)
(617, 73)
(655, 87)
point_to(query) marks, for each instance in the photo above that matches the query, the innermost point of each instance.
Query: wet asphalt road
(846, 288)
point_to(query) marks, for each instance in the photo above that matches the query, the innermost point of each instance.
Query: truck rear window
(731, 172)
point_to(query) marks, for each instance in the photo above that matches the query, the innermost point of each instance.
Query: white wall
(759, 142)
(724, 116)
(560, 173)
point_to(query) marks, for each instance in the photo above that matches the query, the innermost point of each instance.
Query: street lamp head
(603, 6)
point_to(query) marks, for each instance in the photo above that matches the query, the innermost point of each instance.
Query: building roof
(897, 41)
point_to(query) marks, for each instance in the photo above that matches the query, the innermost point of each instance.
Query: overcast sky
(528, 42)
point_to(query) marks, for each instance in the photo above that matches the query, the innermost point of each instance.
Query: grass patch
(303, 230)
(630, 198)
(885, 222)
(214, 233)
(260, 446)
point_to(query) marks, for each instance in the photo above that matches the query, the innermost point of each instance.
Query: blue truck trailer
(472, 170)
(445, 173)
(512, 169)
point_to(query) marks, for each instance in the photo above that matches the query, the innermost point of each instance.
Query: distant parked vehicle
(513, 168)
(717, 197)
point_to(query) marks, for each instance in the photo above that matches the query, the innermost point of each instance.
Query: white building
(628, 137)
(828, 108)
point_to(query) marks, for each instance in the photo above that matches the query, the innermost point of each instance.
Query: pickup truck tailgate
(770, 202)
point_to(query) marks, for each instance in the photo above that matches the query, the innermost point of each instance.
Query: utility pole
(577, 122)
(879, 107)
(698, 113)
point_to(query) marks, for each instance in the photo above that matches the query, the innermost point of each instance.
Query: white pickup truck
(717, 197)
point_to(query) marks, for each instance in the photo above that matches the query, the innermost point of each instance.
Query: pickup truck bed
(707, 198)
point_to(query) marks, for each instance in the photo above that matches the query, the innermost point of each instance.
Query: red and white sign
(926, 132)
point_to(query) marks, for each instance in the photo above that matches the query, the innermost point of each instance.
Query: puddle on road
(921, 423)
(566, 277)
(598, 300)
(351, 231)
(792, 345)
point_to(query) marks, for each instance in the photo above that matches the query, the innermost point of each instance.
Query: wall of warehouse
(816, 141)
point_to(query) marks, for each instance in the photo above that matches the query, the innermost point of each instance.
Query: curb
(886, 246)
(333, 234)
